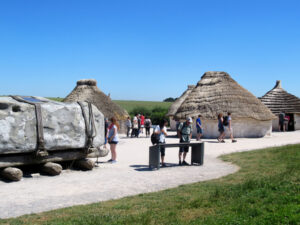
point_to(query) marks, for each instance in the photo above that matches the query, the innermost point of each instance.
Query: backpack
(154, 138)
(147, 124)
(225, 121)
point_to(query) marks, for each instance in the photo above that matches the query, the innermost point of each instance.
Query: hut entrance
(291, 122)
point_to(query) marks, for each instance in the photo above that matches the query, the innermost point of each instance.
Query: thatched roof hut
(217, 92)
(279, 100)
(87, 90)
(174, 107)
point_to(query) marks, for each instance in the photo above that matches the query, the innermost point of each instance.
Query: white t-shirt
(162, 137)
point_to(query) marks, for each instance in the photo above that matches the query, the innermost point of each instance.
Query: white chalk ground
(129, 176)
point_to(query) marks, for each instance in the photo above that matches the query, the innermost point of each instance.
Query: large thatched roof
(87, 90)
(174, 107)
(217, 92)
(278, 100)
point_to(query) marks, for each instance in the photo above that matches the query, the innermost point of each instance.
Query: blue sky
(147, 50)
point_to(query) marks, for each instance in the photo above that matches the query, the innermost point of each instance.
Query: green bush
(140, 110)
(156, 114)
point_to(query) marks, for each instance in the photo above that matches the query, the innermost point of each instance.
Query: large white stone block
(63, 126)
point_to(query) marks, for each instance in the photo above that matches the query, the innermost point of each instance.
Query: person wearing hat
(185, 131)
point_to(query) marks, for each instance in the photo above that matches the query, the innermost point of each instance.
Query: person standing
(113, 139)
(105, 131)
(185, 135)
(128, 125)
(161, 131)
(139, 125)
(228, 127)
(221, 128)
(142, 123)
(281, 121)
(199, 128)
(148, 124)
(286, 122)
(134, 126)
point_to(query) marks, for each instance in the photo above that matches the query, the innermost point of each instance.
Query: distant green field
(56, 99)
(130, 105)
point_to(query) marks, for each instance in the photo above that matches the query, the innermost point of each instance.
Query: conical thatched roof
(174, 107)
(87, 90)
(278, 100)
(217, 92)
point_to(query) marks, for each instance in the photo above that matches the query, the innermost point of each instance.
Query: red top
(142, 120)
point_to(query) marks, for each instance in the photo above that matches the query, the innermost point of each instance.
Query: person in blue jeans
(113, 139)
(199, 128)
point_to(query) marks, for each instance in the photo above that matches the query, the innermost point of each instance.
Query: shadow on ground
(144, 168)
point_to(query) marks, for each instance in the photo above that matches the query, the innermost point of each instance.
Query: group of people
(284, 121)
(184, 132)
(137, 125)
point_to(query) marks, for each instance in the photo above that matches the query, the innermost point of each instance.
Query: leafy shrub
(140, 110)
(156, 114)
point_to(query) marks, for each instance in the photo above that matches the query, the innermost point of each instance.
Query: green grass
(266, 190)
(58, 99)
(130, 105)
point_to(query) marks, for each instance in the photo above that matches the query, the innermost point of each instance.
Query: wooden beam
(54, 156)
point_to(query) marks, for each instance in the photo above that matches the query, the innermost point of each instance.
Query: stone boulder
(11, 173)
(63, 125)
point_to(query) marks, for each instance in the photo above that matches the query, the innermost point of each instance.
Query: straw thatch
(278, 100)
(174, 107)
(87, 90)
(217, 92)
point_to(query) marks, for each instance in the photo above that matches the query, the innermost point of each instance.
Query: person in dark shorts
(221, 128)
(161, 131)
(113, 139)
(185, 131)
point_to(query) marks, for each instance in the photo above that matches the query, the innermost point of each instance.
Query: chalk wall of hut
(242, 128)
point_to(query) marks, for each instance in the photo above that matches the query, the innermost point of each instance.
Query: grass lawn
(266, 190)
(130, 105)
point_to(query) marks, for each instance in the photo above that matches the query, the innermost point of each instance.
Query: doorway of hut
(290, 122)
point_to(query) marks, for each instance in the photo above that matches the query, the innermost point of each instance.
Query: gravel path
(130, 176)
